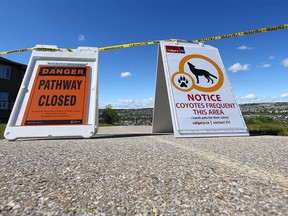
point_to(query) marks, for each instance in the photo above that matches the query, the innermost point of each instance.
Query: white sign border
(82, 55)
(162, 68)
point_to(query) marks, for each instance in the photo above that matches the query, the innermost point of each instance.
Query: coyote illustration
(200, 72)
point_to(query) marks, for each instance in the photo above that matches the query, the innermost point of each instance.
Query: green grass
(2, 129)
(266, 126)
(105, 125)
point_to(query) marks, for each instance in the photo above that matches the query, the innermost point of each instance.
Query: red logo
(175, 49)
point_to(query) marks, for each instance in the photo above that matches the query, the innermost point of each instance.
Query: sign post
(58, 96)
(191, 78)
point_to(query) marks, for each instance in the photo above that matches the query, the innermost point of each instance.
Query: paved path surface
(128, 171)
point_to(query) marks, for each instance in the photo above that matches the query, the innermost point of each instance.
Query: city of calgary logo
(198, 78)
(175, 49)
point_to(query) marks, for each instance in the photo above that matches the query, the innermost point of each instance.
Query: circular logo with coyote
(198, 78)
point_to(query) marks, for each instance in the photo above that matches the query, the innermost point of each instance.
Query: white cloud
(266, 65)
(81, 37)
(271, 57)
(244, 48)
(126, 74)
(284, 95)
(284, 62)
(238, 67)
(131, 104)
(252, 98)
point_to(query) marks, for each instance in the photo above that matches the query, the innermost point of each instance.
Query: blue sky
(257, 65)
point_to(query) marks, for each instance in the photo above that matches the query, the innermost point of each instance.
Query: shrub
(2, 129)
(108, 116)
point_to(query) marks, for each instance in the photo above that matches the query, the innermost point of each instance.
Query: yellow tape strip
(128, 45)
(237, 34)
(35, 48)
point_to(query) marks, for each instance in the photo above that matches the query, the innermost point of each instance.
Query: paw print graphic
(183, 82)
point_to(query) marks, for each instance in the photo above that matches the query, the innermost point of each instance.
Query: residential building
(11, 75)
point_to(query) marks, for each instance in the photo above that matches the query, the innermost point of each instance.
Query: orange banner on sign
(59, 96)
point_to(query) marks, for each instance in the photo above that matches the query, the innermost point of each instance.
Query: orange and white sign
(198, 90)
(59, 96)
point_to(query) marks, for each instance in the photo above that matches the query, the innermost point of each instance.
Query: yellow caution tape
(15, 51)
(128, 45)
(35, 48)
(237, 34)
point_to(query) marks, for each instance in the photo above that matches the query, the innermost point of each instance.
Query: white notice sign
(200, 96)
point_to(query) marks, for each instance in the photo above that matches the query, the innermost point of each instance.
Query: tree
(109, 115)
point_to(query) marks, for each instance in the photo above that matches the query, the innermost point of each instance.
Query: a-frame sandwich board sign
(58, 96)
(193, 95)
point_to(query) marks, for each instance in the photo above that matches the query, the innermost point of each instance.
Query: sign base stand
(162, 121)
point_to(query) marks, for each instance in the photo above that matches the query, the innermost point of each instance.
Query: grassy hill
(260, 118)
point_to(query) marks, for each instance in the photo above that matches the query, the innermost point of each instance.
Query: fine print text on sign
(59, 96)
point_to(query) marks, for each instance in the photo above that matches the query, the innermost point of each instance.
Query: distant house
(11, 75)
